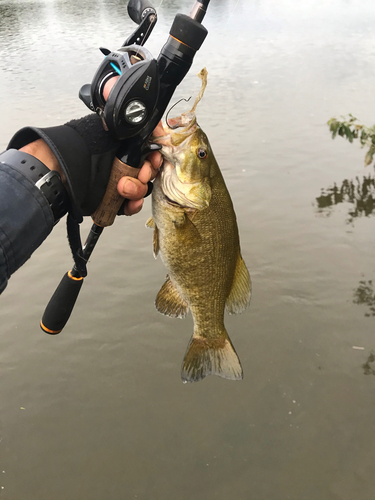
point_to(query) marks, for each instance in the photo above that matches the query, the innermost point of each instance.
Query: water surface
(99, 412)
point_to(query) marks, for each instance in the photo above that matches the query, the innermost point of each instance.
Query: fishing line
(148, 29)
(144, 36)
(170, 109)
(232, 12)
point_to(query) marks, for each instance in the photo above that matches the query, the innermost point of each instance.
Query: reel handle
(138, 9)
(106, 213)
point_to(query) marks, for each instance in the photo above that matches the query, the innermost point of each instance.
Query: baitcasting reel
(145, 85)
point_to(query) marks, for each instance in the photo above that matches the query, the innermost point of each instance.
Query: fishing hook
(170, 109)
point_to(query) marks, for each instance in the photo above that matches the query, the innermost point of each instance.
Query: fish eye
(202, 153)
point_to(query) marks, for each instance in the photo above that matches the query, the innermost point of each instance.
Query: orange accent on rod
(181, 42)
(47, 330)
(97, 223)
(73, 278)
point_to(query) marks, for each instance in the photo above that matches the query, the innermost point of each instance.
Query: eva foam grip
(60, 306)
(188, 31)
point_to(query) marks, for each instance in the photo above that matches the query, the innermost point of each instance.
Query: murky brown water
(100, 412)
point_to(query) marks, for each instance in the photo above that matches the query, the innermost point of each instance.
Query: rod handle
(61, 304)
(106, 213)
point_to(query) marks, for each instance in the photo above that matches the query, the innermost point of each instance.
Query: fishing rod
(134, 107)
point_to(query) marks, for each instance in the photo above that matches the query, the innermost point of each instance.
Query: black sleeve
(26, 219)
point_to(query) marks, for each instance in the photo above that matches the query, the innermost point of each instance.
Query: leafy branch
(351, 129)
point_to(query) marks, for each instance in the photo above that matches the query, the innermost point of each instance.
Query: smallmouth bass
(196, 235)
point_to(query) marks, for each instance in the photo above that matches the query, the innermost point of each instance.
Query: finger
(147, 172)
(132, 189)
(156, 161)
(132, 207)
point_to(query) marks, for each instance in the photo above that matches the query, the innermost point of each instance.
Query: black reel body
(139, 98)
(133, 99)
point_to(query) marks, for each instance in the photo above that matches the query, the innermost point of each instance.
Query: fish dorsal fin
(150, 223)
(240, 294)
(169, 302)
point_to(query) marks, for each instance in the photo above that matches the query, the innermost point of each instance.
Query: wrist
(47, 181)
(42, 152)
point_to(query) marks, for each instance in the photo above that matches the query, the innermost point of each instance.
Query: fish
(196, 235)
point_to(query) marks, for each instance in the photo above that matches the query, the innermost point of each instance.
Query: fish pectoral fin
(211, 356)
(150, 223)
(169, 301)
(191, 235)
(186, 228)
(178, 219)
(240, 294)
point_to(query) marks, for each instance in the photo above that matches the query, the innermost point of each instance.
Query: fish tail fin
(211, 356)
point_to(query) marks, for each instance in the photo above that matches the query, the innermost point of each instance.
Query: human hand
(134, 190)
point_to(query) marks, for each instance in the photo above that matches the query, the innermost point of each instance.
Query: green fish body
(196, 234)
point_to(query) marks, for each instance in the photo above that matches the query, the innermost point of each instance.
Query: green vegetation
(351, 129)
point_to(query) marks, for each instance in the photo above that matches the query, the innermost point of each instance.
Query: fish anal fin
(239, 297)
(169, 302)
(207, 356)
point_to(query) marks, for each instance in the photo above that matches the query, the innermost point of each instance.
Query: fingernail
(129, 187)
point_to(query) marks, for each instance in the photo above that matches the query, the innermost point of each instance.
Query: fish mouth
(184, 121)
(180, 128)
(185, 124)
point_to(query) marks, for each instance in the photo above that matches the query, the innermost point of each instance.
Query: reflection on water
(359, 193)
(365, 294)
(361, 196)
(369, 367)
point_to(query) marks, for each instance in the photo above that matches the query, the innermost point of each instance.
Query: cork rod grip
(106, 213)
